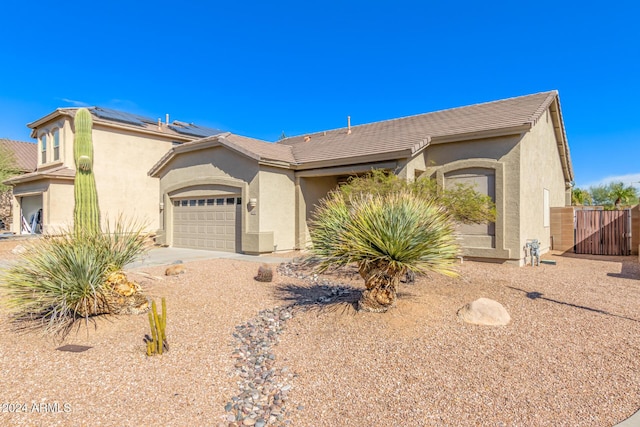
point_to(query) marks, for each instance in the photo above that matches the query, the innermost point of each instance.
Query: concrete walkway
(166, 256)
(632, 421)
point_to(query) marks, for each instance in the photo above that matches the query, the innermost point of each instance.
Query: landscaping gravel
(295, 352)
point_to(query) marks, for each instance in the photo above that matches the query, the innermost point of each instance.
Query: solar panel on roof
(118, 116)
(193, 130)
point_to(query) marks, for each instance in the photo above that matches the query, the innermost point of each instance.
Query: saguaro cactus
(86, 214)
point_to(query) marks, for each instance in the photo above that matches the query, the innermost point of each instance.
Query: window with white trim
(43, 148)
(56, 144)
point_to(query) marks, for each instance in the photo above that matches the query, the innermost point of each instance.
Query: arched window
(43, 148)
(56, 144)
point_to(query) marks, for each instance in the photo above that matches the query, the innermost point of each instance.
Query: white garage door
(211, 222)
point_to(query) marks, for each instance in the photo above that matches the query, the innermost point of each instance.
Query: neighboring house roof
(181, 131)
(25, 153)
(398, 138)
(60, 172)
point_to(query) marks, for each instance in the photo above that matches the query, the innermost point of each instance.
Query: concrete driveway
(166, 256)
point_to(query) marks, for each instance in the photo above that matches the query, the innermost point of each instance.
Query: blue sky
(260, 68)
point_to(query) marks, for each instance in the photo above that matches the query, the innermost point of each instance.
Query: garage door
(211, 223)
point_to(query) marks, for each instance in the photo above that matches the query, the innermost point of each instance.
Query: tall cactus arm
(83, 144)
(86, 212)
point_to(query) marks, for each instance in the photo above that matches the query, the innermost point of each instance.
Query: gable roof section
(410, 134)
(25, 153)
(396, 138)
(258, 150)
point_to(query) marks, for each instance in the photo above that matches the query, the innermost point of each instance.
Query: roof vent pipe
(167, 118)
(159, 123)
(348, 125)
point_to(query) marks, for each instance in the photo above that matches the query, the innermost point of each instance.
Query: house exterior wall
(411, 169)
(277, 201)
(121, 162)
(500, 155)
(58, 205)
(309, 192)
(540, 169)
(216, 170)
(57, 202)
(122, 159)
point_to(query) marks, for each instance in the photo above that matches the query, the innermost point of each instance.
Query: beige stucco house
(233, 193)
(125, 147)
(203, 188)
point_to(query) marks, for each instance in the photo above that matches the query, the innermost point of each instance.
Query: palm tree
(614, 195)
(623, 195)
(385, 235)
(581, 197)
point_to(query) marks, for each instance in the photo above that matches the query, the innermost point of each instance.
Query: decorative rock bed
(263, 388)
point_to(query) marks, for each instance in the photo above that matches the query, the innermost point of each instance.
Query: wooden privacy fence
(603, 232)
(595, 231)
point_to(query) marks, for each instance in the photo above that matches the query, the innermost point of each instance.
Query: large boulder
(484, 311)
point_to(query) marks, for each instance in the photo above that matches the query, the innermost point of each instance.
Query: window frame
(43, 148)
(56, 144)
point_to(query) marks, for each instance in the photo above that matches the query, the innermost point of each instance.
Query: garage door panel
(213, 226)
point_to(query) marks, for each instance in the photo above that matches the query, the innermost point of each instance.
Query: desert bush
(462, 201)
(62, 278)
(386, 235)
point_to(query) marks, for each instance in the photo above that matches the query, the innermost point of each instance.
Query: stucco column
(301, 216)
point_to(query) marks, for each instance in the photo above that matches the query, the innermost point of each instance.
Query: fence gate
(600, 232)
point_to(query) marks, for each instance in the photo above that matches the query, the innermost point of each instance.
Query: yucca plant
(385, 235)
(61, 279)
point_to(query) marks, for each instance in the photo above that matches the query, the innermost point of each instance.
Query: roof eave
(561, 139)
(137, 129)
(21, 179)
(49, 117)
(274, 163)
(391, 155)
(492, 133)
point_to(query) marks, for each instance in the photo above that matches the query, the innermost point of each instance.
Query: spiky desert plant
(61, 279)
(86, 214)
(158, 324)
(386, 235)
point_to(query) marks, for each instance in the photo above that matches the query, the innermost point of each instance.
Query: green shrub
(462, 201)
(386, 235)
(61, 279)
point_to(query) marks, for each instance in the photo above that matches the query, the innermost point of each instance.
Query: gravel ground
(569, 356)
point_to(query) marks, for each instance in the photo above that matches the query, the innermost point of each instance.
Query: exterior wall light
(253, 203)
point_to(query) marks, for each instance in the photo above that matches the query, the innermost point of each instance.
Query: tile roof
(396, 138)
(26, 153)
(254, 148)
(265, 150)
(59, 172)
(411, 133)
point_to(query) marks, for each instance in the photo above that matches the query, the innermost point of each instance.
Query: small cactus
(157, 343)
(265, 274)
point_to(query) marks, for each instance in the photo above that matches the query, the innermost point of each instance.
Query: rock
(121, 285)
(18, 250)
(248, 422)
(174, 270)
(484, 311)
(265, 274)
